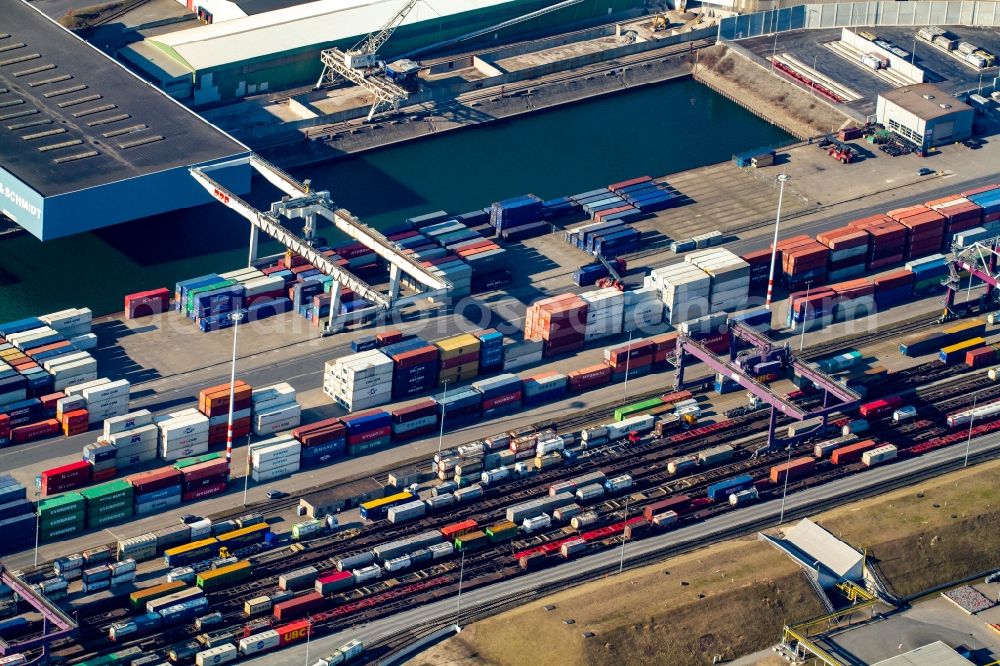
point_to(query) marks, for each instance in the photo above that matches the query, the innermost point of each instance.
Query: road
(798, 505)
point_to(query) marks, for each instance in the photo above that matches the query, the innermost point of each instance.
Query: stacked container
(643, 309)
(929, 273)
(812, 311)
(730, 275)
(65, 477)
(359, 381)
(848, 252)
(685, 290)
(518, 218)
(156, 490)
(460, 406)
(586, 379)
(17, 516)
(321, 441)
(203, 476)
(490, 350)
(61, 516)
(521, 354)
(108, 503)
(803, 260)
(888, 240)
(368, 431)
(605, 313)
(274, 458)
(104, 398)
(213, 402)
(926, 230)
(893, 288)
(500, 395)
(459, 358)
(416, 420)
(854, 299)
(960, 215)
(544, 387)
(132, 445)
(987, 198)
(634, 358)
(414, 367)
(274, 409)
(560, 322)
(182, 433)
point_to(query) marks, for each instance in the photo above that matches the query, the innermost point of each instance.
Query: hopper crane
(359, 64)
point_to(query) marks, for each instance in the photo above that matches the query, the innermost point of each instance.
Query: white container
(878, 455)
(289, 449)
(275, 473)
(618, 483)
(261, 642)
(63, 382)
(146, 433)
(537, 523)
(365, 574)
(129, 421)
(107, 391)
(218, 655)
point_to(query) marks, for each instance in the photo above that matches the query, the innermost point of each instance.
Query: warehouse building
(924, 115)
(331, 501)
(932, 654)
(86, 144)
(279, 49)
(821, 553)
(216, 11)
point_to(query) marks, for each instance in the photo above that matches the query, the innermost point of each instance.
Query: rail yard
(368, 434)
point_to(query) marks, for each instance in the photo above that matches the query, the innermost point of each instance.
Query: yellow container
(457, 346)
(971, 324)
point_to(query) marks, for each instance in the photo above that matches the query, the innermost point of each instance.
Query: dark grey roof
(72, 118)
(252, 7)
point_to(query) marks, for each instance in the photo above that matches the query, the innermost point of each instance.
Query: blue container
(20, 326)
(474, 218)
(324, 452)
(625, 215)
(612, 229)
(590, 194)
(45, 340)
(723, 489)
(184, 286)
(162, 493)
(268, 308)
(653, 206)
(403, 346)
(421, 221)
(367, 423)
(640, 187)
(545, 396)
(12, 383)
(364, 343)
(40, 383)
(219, 301)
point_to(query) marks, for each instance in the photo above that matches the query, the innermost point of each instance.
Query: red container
(157, 479)
(599, 215)
(415, 411)
(369, 436)
(33, 431)
(328, 434)
(104, 475)
(4, 425)
(501, 400)
(676, 503)
(201, 493)
(204, 482)
(293, 632)
(614, 187)
(146, 303)
(458, 529)
(301, 606)
(471, 357)
(880, 408)
(415, 357)
(317, 426)
(388, 337)
(205, 470)
(589, 378)
(49, 347)
(980, 190)
(893, 280)
(977, 358)
(794, 469)
(852, 452)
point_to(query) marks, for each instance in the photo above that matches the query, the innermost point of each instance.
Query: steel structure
(980, 259)
(736, 368)
(300, 201)
(359, 65)
(51, 615)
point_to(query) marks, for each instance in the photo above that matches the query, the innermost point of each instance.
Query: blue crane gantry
(836, 396)
(51, 614)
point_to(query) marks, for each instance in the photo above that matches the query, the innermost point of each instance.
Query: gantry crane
(981, 260)
(360, 65)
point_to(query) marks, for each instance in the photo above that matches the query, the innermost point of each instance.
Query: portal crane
(358, 65)
(981, 260)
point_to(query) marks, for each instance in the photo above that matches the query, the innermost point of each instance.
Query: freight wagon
(956, 353)
(196, 551)
(245, 536)
(138, 599)
(880, 408)
(377, 509)
(223, 576)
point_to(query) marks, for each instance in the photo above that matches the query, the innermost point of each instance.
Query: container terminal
(378, 459)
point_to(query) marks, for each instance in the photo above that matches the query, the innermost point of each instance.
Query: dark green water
(650, 131)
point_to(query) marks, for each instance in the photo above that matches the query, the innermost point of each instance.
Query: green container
(197, 460)
(60, 532)
(112, 491)
(100, 521)
(109, 507)
(55, 522)
(191, 295)
(623, 413)
(65, 503)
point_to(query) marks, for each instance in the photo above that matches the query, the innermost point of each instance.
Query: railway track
(645, 462)
(814, 352)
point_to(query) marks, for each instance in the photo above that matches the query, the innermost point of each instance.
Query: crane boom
(373, 42)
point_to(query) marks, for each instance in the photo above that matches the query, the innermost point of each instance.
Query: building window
(905, 132)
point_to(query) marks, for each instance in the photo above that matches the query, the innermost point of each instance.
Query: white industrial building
(815, 549)
(924, 115)
(932, 654)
